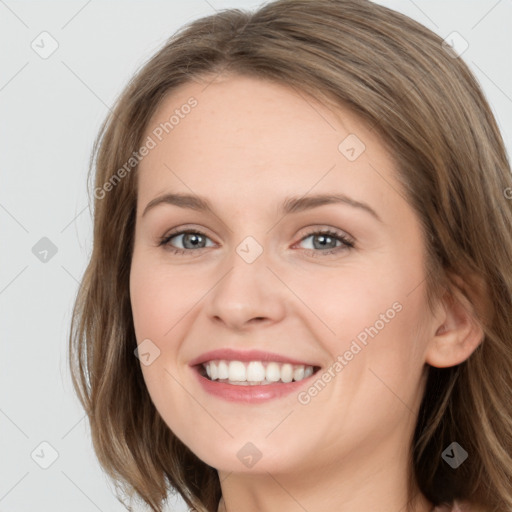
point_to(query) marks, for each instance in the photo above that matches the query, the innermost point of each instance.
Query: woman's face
(262, 275)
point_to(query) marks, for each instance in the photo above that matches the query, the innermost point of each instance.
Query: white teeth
(287, 373)
(214, 372)
(223, 370)
(237, 371)
(255, 372)
(298, 373)
(273, 374)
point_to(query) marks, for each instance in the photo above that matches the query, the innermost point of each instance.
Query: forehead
(259, 138)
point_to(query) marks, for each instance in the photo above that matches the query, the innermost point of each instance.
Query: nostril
(258, 319)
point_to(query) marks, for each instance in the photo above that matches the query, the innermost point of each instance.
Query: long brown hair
(427, 106)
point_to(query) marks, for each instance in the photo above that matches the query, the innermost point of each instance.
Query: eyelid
(186, 228)
(347, 241)
(182, 230)
(325, 228)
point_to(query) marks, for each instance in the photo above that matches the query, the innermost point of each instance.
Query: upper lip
(246, 355)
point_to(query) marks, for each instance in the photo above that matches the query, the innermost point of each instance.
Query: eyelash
(347, 243)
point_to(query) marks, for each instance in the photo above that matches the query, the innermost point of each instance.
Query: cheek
(375, 312)
(160, 296)
(392, 343)
(357, 298)
(161, 302)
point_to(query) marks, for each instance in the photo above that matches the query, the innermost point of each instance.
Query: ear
(456, 330)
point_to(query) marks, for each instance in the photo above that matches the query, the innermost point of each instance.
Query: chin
(247, 457)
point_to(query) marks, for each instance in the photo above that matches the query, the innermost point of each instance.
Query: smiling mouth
(254, 373)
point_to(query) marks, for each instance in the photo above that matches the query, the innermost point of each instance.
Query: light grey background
(51, 110)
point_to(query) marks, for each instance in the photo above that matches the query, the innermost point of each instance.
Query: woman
(300, 290)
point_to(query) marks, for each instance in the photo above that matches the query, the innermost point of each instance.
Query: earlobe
(457, 335)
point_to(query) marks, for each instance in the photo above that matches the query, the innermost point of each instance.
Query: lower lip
(249, 394)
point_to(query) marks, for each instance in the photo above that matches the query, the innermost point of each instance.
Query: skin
(246, 146)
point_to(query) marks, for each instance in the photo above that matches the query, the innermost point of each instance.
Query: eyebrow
(290, 204)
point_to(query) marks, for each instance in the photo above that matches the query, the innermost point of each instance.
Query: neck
(342, 486)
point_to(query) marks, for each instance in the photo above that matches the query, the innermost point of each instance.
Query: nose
(248, 295)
